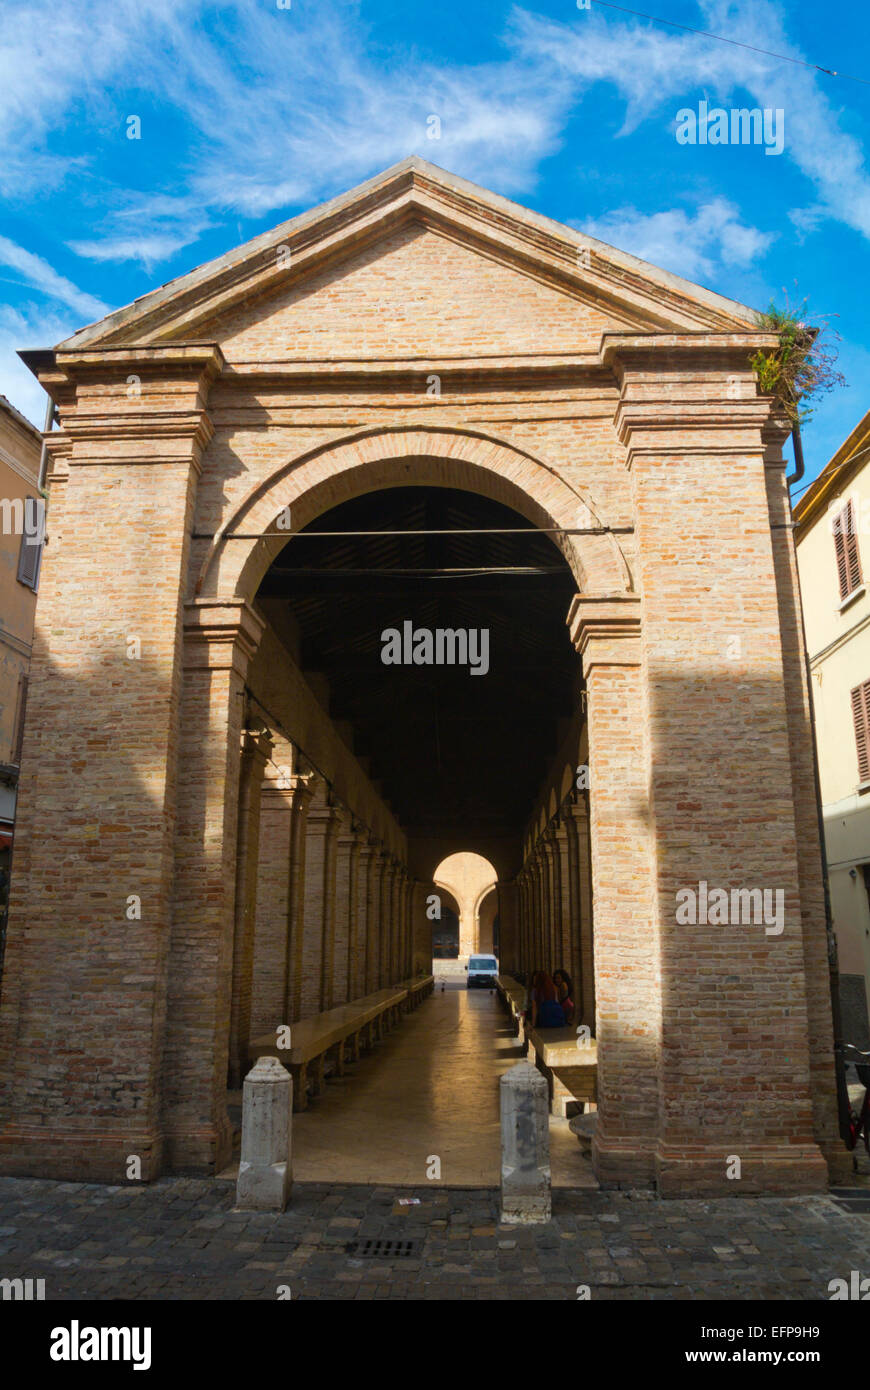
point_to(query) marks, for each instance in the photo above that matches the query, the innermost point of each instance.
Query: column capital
(220, 634)
(256, 745)
(606, 630)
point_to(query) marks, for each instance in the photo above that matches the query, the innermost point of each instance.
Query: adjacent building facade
(832, 537)
(20, 561)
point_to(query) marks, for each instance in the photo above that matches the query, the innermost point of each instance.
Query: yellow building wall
(838, 642)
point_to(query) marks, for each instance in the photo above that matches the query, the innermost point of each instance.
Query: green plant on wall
(801, 367)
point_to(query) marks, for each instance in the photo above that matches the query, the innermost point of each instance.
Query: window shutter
(30, 561)
(861, 716)
(22, 711)
(846, 550)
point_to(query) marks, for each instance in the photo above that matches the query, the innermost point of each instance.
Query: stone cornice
(220, 635)
(416, 192)
(606, 630)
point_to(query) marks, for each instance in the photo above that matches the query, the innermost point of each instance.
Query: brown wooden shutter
(861, 716)
(846, 550)
(30, 561)
(22, 711)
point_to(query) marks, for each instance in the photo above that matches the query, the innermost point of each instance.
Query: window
(32, 540)
(846, 550)
(861, 716)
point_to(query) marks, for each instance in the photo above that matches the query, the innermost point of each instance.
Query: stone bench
(513, 996)
(312, 1040)
(572, 1071)
(418, 987)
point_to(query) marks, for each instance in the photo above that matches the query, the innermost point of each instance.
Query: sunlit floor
(428, 1092)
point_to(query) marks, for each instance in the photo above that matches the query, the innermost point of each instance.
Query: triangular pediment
(417, 245)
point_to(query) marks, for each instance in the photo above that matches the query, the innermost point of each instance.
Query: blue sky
(250, 113)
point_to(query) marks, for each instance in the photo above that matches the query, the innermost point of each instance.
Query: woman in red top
(546, 1010)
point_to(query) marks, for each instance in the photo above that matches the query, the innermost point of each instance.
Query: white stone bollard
(266, 1168)
(525, 1146)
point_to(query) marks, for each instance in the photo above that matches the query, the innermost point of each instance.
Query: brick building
(233, 807)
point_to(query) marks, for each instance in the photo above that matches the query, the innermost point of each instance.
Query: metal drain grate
(854, 1200)
(383, 1249)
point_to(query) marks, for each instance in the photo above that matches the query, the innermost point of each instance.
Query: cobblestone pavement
(181, 1239)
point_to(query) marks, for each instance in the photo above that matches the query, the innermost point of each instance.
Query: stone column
(607, 635)
(282, 796)
(256, 748)
(266, 1165)
(525, 1146)
(85, 979)
(693, 426)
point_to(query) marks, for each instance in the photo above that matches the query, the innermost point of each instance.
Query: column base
(622, 1162)
(775, 1170)
(78, 1155)
(199, 1151)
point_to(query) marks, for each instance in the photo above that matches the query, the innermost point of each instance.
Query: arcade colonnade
(155, 844)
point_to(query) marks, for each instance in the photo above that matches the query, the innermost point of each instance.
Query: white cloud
(656, 70)
(688, 244)
(37, 273)
(29, 326)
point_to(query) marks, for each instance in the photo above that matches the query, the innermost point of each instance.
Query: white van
(482, 971)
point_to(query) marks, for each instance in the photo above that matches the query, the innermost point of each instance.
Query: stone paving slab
(181, 1239)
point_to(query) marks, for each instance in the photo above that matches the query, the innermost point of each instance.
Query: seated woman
(546, 1009)
(565, 994)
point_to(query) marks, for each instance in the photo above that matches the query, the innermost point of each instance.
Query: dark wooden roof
(447, 747)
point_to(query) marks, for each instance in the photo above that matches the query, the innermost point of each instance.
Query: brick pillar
(580, 871)
(318, 922)
(256, 748)
(422, 927)
(607, 635)
(364, 922)
(568, 924)
(220, 638)
(304, 788)
(816, 946)
(346, 896)
(386, 920)
(84, 988)
(523, 882)
(509, 927)
(554, 892)
(283, 795)
(538, 932)
(719, 788)
(374, 919)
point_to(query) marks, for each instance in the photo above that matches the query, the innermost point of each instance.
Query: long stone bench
(354, 1026)
(418, 987)
(572, 1071)
(513, 996)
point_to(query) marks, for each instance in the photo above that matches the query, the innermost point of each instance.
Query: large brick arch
(413, 456)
